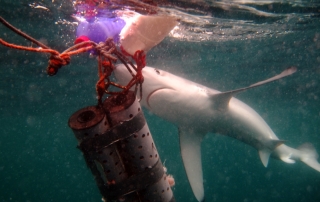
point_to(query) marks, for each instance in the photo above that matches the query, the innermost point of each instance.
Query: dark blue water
(38, 156)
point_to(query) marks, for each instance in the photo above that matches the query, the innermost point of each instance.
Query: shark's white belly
(194, 109)
(197, 110)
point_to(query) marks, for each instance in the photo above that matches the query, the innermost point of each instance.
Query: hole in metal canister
(86, 116)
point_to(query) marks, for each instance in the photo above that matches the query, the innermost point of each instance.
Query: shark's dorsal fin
(190, 146)
(221, 100)
(264, 156)
(265, 153)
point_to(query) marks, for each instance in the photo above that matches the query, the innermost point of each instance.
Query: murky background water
(221, 44)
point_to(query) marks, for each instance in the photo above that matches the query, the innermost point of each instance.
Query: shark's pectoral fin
(264, 156)
(221, 100)
(190, 146)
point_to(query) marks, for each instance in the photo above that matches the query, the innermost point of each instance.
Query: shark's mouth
(153, 93)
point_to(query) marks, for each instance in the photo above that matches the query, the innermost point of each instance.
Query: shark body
(197, 110)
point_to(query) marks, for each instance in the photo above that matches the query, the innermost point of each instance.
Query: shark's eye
(158, 72)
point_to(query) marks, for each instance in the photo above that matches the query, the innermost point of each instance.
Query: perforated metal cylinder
(88, 123)
(120, 151)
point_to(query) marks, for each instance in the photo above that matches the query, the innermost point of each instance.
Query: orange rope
(107, 54)
(24, 35)
(10, 45)
(80, 50)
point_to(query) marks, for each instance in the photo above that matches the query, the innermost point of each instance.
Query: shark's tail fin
(309, 156)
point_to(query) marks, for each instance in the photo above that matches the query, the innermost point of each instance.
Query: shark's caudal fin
(221, 100)
(190, 146)
(309, 156)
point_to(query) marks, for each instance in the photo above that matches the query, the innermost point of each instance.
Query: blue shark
(197, 110)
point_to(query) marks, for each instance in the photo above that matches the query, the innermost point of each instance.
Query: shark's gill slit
(195, 113)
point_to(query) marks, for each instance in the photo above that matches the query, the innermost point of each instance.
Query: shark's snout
(122, 74)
